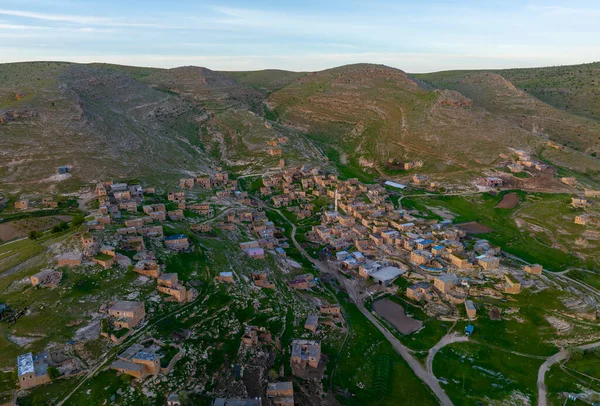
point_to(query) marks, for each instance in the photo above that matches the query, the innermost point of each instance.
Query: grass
(560, 382)
(370, 361)
(478, 374)
(587, 363)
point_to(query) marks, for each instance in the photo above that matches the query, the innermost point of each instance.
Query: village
(354, 236)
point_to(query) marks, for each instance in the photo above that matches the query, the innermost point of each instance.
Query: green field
(479, 374)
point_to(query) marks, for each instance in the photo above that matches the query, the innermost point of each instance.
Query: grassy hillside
(575, 89)
(112, 121)
(518, 104)
(363, 115)
(267, 80)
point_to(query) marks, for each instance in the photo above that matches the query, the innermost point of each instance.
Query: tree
(34, 235)
(53, 373)
(77, 220)
(62, 226)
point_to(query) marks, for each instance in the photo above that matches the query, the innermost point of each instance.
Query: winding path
(560, 356)
(446, 340)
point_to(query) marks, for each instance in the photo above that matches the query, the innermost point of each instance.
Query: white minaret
(336, 199)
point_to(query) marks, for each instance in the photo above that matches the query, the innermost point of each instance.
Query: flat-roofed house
(419, 291)
(177, 242)
(311, 323)
(69, 259)
(306, 353)
(47, 278)
(281, 393)
(32, 370)
(488, 263)
(470, 308)
(512, 285)
(533, 269)
(127, 314)
(147, 267)
(444, 282)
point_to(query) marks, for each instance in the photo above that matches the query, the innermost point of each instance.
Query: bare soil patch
(473, 227)
(509, 201)
(394, 314)
(20, 228)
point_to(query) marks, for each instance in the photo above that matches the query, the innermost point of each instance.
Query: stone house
(87, 239)
(69, 259)
(419, 291)
(311, 323)
(186, 183)
(332, 310)
(138, 222)
(512, 285)
(32, 370)
(306, 353)
(49, 202)
(175, 215)
(303, 282)
(493, 181)
(421, 257)
(488, 263)
(47, 278)
(204, 182)
(169, 283)
(470, 308)
(226, 277)
(127, 314)
(281, 393)
(444, 282)
(459, 260)
(130, 207)
(136, 362)
(22, 204)
(177, 242)
(569, 181)
(176, 197)
(158, 216)
(583, 219)
(534, 269)
(133, 243)
(148, 268)
(580, 202)
(105, 261)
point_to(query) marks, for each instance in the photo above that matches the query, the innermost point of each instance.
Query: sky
(415, 36)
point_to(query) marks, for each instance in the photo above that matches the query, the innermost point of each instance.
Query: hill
(365, 115)
(110, 121)
(121, 122)
(495, 92)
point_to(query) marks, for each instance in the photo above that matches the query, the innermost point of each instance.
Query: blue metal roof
(469, 329)
(176, 237)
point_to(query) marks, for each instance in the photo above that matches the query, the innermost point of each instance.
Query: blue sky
(416, 36)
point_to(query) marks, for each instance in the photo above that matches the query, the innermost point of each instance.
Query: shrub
(53, 373)
(34, 235)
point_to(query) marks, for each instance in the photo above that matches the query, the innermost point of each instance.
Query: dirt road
(446, 340)
(417, 368)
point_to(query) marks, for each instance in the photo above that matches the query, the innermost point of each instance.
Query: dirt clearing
(394, 314)
(509, 201)
(474, 228)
